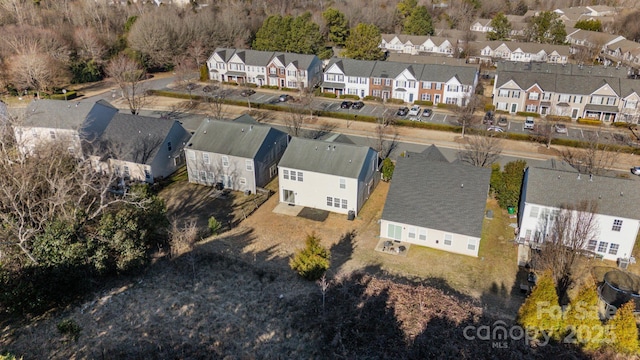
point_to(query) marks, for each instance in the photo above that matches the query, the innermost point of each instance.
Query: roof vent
(590, 177)
(204, 132)
(242, 129)
(328, 147)
(461, 186)
(621, 193)
(316, 148)
(334, 148)
(578, 176)
(250, 127)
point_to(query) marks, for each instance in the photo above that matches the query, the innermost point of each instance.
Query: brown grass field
(234, 296)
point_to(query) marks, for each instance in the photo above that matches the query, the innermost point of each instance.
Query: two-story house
(239, 155)
(327, 175)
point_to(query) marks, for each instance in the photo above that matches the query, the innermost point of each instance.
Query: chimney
(328, 147)
(334, 148)
(250, 127)
(590, 177)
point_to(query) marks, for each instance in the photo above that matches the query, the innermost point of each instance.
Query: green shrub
(329, 95)
(69, 95)
(507, 190)
(204, 73)
(423, 102)
(501, 112)
(489, 107)
(69, 328)
(349, 96)
(623, 124)
(581, 319)
(214, 225)
(251, 85)
(559, 118)
(623, 331)
(232, 83)
(527, 113)
(447, 106)
(589, 122)
(269, 87)
(387, 169)
(541, 311)
(289, 89)
(372, 98)
(312, 261)
(9, 356)
(395, 101)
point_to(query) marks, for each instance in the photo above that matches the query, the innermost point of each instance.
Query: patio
(392, 247)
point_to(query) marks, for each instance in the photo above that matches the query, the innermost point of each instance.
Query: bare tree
(182, 241)
(261, 115)
(386, 140)
(129, 76)
(215, 99)
(565, 234)
(321, 130)
(546, 130)
(481, 151)
(465, 113)
(294, 122)
(593, 158)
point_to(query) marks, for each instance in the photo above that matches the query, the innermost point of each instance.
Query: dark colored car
(502, 121)
(488, 118)
(346, 105)
(357, 105)
(403, 111)
(284, 97)
(247, 92)
(635, 170)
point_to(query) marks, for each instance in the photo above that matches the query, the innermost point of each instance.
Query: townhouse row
(594, 92)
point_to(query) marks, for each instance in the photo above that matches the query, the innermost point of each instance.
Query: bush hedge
(589, 122)
(69, 95)
(251, 85)
(489, 107)
(423, 102)
(395, 101)
(289, 89)
(349, 96)
(447, 106)
(270, 87)
(328, 95)
(559, 118)
(373, 98)
(526, 113)
(623, 124)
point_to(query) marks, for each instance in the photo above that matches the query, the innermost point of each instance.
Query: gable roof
(263, 58)
(439, 195)
(324, 157)
(136, 138)
(433, 153)
(350, 67)
(59, 114)
(233, 138)
(554, 188)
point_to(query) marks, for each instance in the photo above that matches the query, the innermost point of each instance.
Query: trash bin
(511, 210)
(351, 215)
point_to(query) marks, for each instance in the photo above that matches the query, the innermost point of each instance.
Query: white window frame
(205, 159)
(329, 201)
(472, 244)
(602, 247)
(394, 231)
(613, 249)
(300, 179)
(412, 233)
(534, 212)
(248, 165)
(617, 225)
(225, 161)
(285, 174)
(422, 234)
(448, 238)
(343, 183)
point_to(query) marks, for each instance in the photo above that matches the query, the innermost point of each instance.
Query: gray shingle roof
(230, 138)
(136, 138)
(556, 187)
(263, 58)
(59, 114)
(438, 195)
(324, 157)
(350, 67)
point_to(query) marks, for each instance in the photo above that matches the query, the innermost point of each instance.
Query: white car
(414, 111)
(529, 124)
(561, 128)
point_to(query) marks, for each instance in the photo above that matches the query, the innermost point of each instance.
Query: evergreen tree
(273, 35)
(546, 28)
(312, 261)
(589, 24)
(363, 43)
(405, 8)
(541, 311)
(387, 169)
(508, 188)
(418, 22)
(623, 330)
(297, 35)
(337, 26)
(501, 28)
(521, 8)
(581, 319)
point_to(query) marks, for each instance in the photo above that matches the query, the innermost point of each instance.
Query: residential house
(546, 191)
(330, 176)
(420, 44)
(139, 148)
(518, 25)
(482, 25)
(285, 70)
(492, 51)
(241, 155)
(71, 121)
(403, 81)
(575, 91)
(435, 203)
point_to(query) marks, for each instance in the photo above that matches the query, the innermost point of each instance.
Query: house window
(336, 202)
(126, 172)
(203, 175)
(205, 158)
(285, 174)
(377, 81)
(210, 177)
(344, 203)
(602, 247)
(394, 232)
(249, 165)
(472, 244)
(293, 175)
(147, 174)
(613, 249)
(34, 132)
(532, 108)
(534, 212)
(447, 239)
(387, 82)
(426, 85)
(412, 233)
(225, 161)
(169, 146)
(329, 201)
(53, 134)
(343, 183)
(422, 234)
(300, 176)
(534, 96)
(376, 93)
(591, 246)
(242, 181)
(438, 86)
(617, 225)
(426, 97)
(191, 155)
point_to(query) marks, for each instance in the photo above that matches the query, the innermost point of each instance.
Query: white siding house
(546, 191)
(329, 176)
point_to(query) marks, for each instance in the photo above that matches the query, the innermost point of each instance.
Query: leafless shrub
(182, 239)
(594, 158)
(481, 150)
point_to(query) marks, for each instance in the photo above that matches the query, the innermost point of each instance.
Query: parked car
(427, 112)
(346, 105)
(502, 121)
(495, 128)
(561, 128)
(403, 111)
(247, 92)
(415, 110)
(284, 97)
(529, 124)
(635, 170)
(357, 105)
(488, 118)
